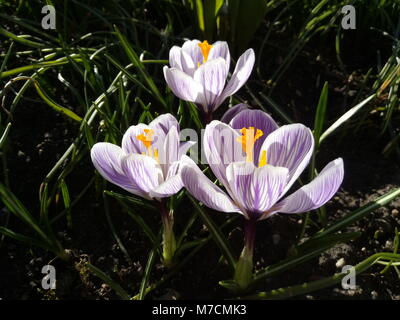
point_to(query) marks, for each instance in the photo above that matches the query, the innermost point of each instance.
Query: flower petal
(242, 72)
(169, 151)
(143, 172)
(130, 144)
(221, 49)
(212, 76)
(233, 111)
(317, 192)
(182, 85)
(256, 189)
(164, 122)
(175, 57)
(291, 146)
(191, 56)
(185, 146)
(169, 187)
(221, 148)
(205, 191)
(257, 119)
(107, 159)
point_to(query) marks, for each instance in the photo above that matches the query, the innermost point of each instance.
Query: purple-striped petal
(172, 184)
(197, 184)
(317, 192)
(107, 159)
(143, 172)
(212, 76)
(185, 146)
(257, 119)
(291, 146)
(191, 56)
(175, 57)
(182, 85)
(256, 189)
(242, 72)
(130, 144)
(231, 112)
(169, 151)
(221, 49)
(164, 123)
(221, 148)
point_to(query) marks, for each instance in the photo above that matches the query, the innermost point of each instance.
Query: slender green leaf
(217, 234)
(115, 286)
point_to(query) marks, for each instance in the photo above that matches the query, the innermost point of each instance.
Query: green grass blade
(359, 213)
(17, 208)
(115, 286)
(320, 113)
(4, 136)
(147, 272)
(308, 287)
(27, 240)
(345, 117)
(140, 67)
(21, 39)
(216, 233)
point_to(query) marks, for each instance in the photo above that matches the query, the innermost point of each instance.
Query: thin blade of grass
(217, 234)
(115, 286)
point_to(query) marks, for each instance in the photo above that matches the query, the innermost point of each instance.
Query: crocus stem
(244, 267)
(207, 117)
(169, 243)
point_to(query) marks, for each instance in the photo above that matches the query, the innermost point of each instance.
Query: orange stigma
(147, 139)
(249, 137)
(205, 49)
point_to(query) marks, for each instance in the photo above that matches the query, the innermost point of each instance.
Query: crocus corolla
(198, 72)
(258, 162)
(147, 165)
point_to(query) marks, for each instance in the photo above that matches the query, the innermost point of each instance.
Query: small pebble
(389, 244)
(340, 263)
(395, 213)
(363, 249)
(374, 295)
(276, 238)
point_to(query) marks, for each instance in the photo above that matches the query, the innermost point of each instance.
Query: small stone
(395, 213)
(276, 238)
(20, 154)
(389, 244)
(374, 295)
(340, 263)
(363, 249)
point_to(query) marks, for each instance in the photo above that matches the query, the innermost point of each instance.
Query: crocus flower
(258, 162)
(198, 72)
(147, 165)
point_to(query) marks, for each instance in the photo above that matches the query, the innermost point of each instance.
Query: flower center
(147, 139)
(205, 49)
(249, 137)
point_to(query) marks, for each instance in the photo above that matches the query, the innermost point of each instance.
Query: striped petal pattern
(201, 79)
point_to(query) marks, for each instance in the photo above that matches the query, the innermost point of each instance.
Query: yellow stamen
(146, 137)
(263, 159)
(155, 155)
(205, 49)
(248, 138)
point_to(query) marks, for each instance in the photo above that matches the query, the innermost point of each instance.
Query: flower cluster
(256, 161)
